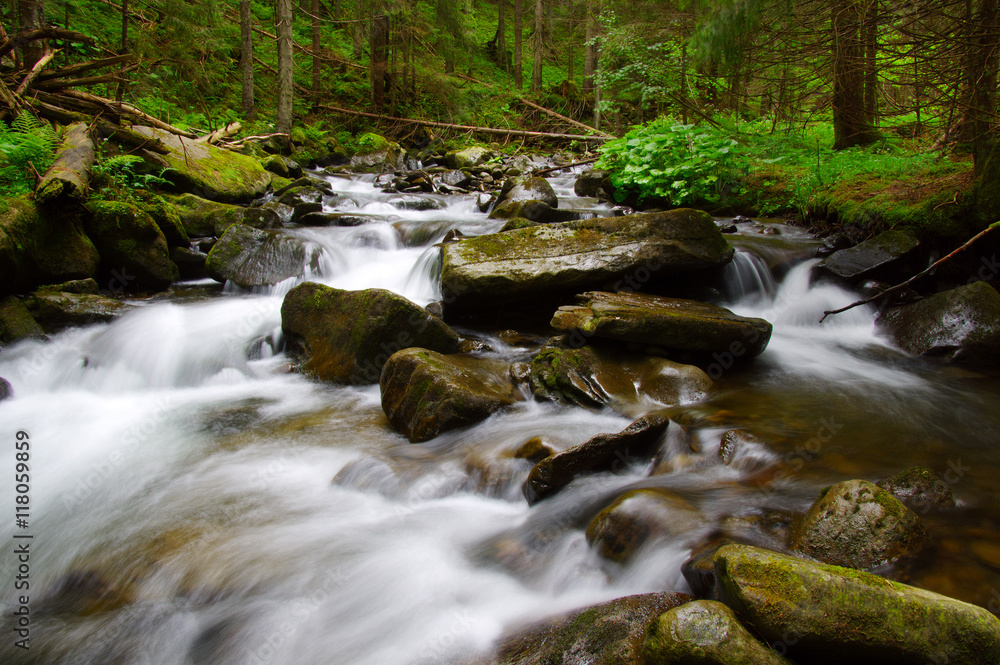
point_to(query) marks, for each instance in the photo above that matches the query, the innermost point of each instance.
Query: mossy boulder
(672, 323)
(282, 166)
(599, 375)
(16, 322)
(961, 325)
(131, 245)
(376, 154)
(888, 256)
(204, 218)
(569, 257)
(528, 188)
(168, 219)
(704, 632)
(642, 515)
(467, 157)
(532, 210)
(603, 452)
(594, 184)
(347, 336)
(55, 310)
(826, 614)
(210, 172)
(919, 488)
(857, 523)
(250, 257)
(425, 393)
(190, 263)
(88, 285)
(611, 633)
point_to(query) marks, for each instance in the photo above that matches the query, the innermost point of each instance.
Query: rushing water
(195, 502)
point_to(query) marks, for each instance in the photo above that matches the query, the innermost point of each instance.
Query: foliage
(24, 145)
(124, 173)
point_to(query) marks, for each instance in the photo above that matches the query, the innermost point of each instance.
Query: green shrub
(24, 145)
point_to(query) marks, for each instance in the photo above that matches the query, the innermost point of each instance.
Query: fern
(122, 169)
(25, 145)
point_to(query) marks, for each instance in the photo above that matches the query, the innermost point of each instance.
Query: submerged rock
(347, 336)
(886, 256)
(16, 322)
(919, 488)
(553, 259)
(672, 323)
(635, 517)
(599, 453)
(251, 257)
(611, 633)
(704, 632)
(858, 524)
(826, 614)
(6, 390)
(54, 310)
(131, 246)
(425, 393)
(961, 325)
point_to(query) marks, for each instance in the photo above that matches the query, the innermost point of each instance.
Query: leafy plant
(26, 145)
(124, 171)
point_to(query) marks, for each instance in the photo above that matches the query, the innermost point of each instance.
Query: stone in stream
(671, 323)
(376, 154)
(201, 217)
(961, 325)
(54, 310)
(826, 614)
(599, 453)
(530, 198)
(425, 393)
(133, 249)
(597, 375)
(888, 256)
(858, 524)
(594, 184)
(251, 257)
(16, 322)
(6, 390)
(638, 516)
(704, 632)
(347, 336)
(919, 488)
(467, 158)
(545, 261)
(611, 633)
(190, 263)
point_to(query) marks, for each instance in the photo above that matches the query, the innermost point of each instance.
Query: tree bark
(379, 59)
(69, 174)
(518, 30)
(283, 116)
(30, 13)
(246, 60)
(120, 92)
(317, 64)
(850, 127)
(590, 57)
(870, 34)
(980, 87)
(536, 72)
(501, 36)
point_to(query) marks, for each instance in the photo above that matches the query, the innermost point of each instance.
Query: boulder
(603, 452)
(54, 311)
(190, 263)
(167, 218)
(961, 325)
(611, 633)
(376, 154)
(201, 217)
(887, 256)
(672, 323)
(598, 375)
(528, 188)
(210, 172)
(568, 257)
(251, 257)
(637, 516)
(467, 158)
(704, 632)
(834, 243)
(332, 219)
(425, 393)
(6, 390)
(534, 211)
(594, 184)
(131, 245)
(347, 336)
(88, 285)
(282, 166)
(16, 322)
(826, 614)
(858, 524)
(919, 488)
(454, 178)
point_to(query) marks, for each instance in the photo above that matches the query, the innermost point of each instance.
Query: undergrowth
(27, 147)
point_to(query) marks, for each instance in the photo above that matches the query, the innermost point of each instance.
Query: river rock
(88, 285)
(567, 257)
(528, 188)
(599, 453)
(454, 178)
(376, 154)
(425, 393)
(251, 257)
(282, 166)
(637, 516)
(919, 488)
(595, 184)
(190, 263)
(704, 632)
(16, 322)
(132, 247)
(611, 633)
(834, 243)
(858, 524)
(961, 325)
(201, 217)
(6, 390)
(467, 158)
(208, 171)
(54, 311)
(347, 336)
(826, 614)
(672, 323)
(887, 256)
(598, 375)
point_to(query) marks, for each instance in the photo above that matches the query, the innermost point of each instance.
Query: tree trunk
(590, 57)
(379, 59)
(30, 14)
(317, 64)
(980, 86)
(501, 36)
(283, 120)
(518, 74)
(850, 127)
(536, 72)
(120, 92)
(246, 60)
(69, 174)
(870, 34)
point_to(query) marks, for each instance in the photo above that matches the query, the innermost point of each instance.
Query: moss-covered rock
(131, 245)
(532, 210)
(594, 184)
(888, 256)
(611, 633)
(602, 452)
(347, 336)
(638, 516)
(210, 172)
(250, 257)
(88, 285)
(425, 393)
(704, 632)
(16, 322)
(826, 614)
(858, 524)
(55, 311)
(673, 323)
(467, 157)
(282, 166)
(190, 263)
(204, 218)
(168, 219)
(598, 375)
(555, 259)
(376, 154)
(919, 488)
(961, 325)
(528, 188)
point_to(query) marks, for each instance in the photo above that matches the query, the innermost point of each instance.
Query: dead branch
(542, 172)
(35, 71)
(560, 116)
(43, 33)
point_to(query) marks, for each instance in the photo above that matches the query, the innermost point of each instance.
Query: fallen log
(231, 129)
(553, 169)
(9, 99)
(69, 174)
(86, 66)
(560, 116)
(59, 84)
(43, 33)
(122, 135)
(467, 128)
(121, 108)
(35, 71)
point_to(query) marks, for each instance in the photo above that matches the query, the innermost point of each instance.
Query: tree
(283, 120)
(851, 127)
(536, 71)
(30, 13)
(518, 29)
(317, 64)
(246, 60)
(379, 46)
(590, 56)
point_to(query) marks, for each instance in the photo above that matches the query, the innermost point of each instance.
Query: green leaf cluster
(25, 144)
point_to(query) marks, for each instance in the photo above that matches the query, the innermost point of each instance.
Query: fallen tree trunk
(122, 135)
(553, 169)
(468, 128)
(80, 67)
(69, 174)
(560, 116)
(231, 129)
(43, 33)
(35, 71)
